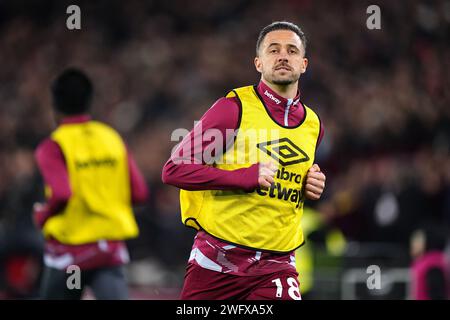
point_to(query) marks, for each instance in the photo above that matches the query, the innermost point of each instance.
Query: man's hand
(267, 171)
(39, 217)
(315, 183)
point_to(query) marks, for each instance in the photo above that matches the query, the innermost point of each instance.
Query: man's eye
(293, 51)
(273, 51)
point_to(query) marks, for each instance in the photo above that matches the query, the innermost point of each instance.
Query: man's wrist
(40, 216)
(250, 177)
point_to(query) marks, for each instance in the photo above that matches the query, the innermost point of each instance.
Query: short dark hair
(280, 25)
(72, 92)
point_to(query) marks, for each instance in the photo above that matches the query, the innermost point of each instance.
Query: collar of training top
(76, 118)
(273, 99)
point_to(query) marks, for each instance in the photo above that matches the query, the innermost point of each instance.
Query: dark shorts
(108, 283)
(204, 284)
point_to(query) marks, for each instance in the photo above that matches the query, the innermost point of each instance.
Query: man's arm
(315, 178)
(139, 189)
(52, 166)
(321, 133)
(196, 175)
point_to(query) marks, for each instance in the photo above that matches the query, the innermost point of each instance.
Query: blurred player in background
(248, 214)
(91, 182)
(430, 270)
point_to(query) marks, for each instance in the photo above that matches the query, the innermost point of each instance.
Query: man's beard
(285, 81)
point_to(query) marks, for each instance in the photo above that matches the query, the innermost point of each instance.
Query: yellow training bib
(261, 219)
(100, 205)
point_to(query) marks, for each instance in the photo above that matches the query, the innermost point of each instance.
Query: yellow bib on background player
(100, 205)
(261, 219)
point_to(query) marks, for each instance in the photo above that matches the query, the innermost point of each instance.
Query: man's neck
(74, 118)
(288, 91)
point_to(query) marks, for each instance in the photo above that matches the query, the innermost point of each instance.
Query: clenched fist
(267, 171)
(315, 183)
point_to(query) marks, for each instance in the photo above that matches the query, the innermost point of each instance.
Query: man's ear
(258, 64)
(304, 65)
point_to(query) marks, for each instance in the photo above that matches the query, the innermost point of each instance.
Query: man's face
(281, 58)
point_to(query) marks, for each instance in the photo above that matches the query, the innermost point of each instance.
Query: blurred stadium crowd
(383, 96)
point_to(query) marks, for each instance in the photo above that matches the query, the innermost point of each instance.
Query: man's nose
(282, 59)
(283, 56)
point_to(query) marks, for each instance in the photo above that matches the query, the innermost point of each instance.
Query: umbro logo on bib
(284, 151)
